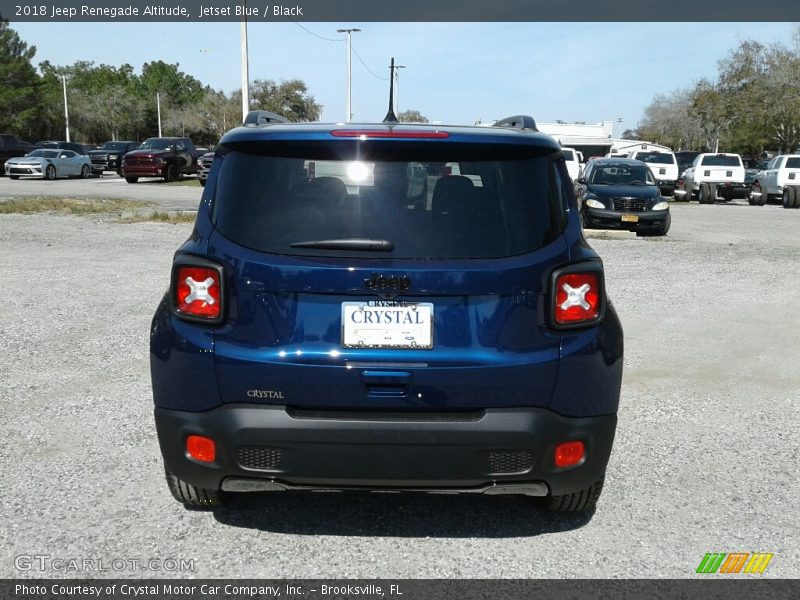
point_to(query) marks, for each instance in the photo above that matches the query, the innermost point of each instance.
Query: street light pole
(66, 110)
(245, 66)
(349, 33)
(158, 109)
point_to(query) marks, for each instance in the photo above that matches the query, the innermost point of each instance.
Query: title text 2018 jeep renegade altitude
(349, 314)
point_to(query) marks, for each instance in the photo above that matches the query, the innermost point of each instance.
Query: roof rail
(263, 117)
(517, 122)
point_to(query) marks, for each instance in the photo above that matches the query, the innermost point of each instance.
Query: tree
(288, 98)
(412, 116)
(19, 83)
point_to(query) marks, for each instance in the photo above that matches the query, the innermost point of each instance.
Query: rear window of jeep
(413, 200)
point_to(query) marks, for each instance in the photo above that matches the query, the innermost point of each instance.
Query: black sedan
(619, 193)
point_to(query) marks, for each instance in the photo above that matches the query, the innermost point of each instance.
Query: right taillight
(197, 292)
(577, 298)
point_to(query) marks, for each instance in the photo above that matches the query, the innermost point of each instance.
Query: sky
(455, 73)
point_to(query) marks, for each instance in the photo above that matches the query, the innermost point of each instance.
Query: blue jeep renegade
(387, 306)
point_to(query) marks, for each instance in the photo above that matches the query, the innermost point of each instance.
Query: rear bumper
(275, 447)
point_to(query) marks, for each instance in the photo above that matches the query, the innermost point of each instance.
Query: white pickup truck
(664, 166)
(713, 175)
(781, 178)
(573, 159)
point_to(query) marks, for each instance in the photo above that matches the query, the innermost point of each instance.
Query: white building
(594, 139)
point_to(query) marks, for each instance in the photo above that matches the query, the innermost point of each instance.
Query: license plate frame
(393, 325)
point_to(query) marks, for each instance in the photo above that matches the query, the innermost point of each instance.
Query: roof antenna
(390, 116)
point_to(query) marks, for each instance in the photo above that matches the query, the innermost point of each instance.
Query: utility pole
(245, 65)
(349, 33)
(390, 116)
(158, 109)
(397, 88)
(66, 110)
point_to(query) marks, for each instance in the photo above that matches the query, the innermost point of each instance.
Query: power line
(367, 68)
(317, 35)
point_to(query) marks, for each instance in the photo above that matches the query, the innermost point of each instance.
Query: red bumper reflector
(569, 453)
(201, 448)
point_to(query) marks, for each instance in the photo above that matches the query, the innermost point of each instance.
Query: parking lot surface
(169, 197)
(705, 458)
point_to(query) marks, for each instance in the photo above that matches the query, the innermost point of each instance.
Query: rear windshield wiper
(366, 245)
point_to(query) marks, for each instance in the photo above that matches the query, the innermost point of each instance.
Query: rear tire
(789, 197)
(192, 496)
(704, 195)
(203, 182)
(131, 179)
(13, 176)
(585, 499)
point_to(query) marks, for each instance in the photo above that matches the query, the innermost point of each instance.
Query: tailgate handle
(386, 383)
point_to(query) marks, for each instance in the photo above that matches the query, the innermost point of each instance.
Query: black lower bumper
(655, 220)
(443, 451)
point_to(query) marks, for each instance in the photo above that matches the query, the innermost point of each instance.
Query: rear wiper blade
(362, 244)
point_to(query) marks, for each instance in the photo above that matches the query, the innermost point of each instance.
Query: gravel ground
(705, 458)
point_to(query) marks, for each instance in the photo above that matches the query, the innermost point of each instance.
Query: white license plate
(387, 324)
(629, 218)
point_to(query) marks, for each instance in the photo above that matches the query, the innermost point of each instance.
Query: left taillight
(197, 292)
(577, 297)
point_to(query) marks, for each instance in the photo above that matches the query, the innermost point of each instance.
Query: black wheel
(13, 176)
(131, 179)
(704, 195)
(50, 173)
(171, 174)
(203, 182)
(85, 171)
(585, 499)
(193, 496)
(762, 196)
(789, 197)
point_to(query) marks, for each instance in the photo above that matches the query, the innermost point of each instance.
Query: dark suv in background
(109, 156)
(387, 306)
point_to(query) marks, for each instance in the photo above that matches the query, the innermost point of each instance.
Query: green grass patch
(161, 217)
(193, 182)
(70, 206)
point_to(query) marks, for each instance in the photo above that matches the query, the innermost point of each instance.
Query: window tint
(793, 162)
(568, 155)
(721, 160)
(428, 200)
(622, 174)
(44, 153)
(661, 158)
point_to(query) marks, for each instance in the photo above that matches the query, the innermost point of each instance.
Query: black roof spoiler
(263, 117)
(517, 122)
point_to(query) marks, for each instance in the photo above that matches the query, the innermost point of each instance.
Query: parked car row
(168, 158)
